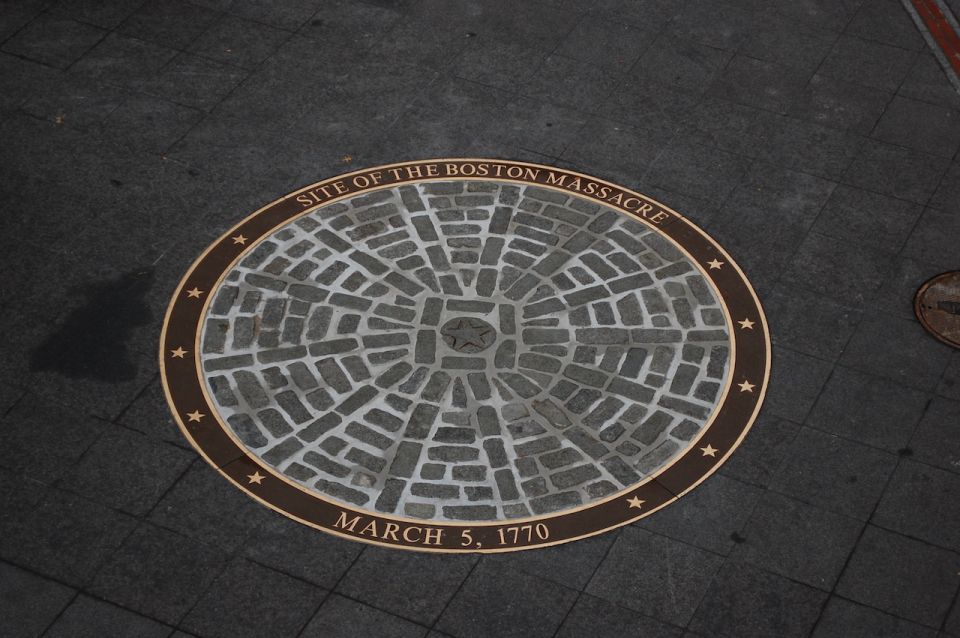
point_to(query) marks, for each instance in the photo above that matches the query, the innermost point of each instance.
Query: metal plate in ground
(937, 304)
(465, 355)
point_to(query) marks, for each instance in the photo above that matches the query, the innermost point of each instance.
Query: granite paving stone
(952, 623)
(655, 575)
(852, 277)
(250, 600)
(949, 189)
(54, 40)
(925, 127)
(87, 618)
(17, 15)
(204, 507)
(486, 605)
(855, 214)
(833, 473)
(840, 104)
(798, 380)
(815, 140)
(712, 517)
(65, 537)
(949, 385)
(35, 443)
(845, 618)
(807, 147)
(799, 541)
(597, 617)
(885, 418)
(289, 16)
(569, 82)
(615, 147)
(723, 26)
(496, 63)
(567, 565)
(127, 471)
(873, 64)
(934, 237)
(123, 60)
(420, 587)
(744, 601)
(73, 100)
(759, 83)
(341, 617)
(299, 551)
(926, 82)
(901, 576)
(797, 197)
(144, 122)
(193, 81)
(883, 21)
(609, 45)
(933, 441)
(174, 24)
(237, 41)
(148, 414)
(688, 168)
(767, 446)
(30, 603)
(809, 324)
(681, 64)
(159, 573)
(778, 38)
(921, 502)
(824, 15)
(912, 359)
(896, 171)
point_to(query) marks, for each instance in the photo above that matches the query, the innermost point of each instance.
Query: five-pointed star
(709, 450)
(746, 386)
(746, 324)
(196, 415)
(715, 264)
(467, 334)
(239, 239)
(635, 502)
(178, 353)
(256, 477)
(194, 292)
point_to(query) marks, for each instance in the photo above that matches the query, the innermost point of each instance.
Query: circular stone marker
(465, 355)
(937, 305)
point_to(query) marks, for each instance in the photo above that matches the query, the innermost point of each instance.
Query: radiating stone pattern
(323, 353)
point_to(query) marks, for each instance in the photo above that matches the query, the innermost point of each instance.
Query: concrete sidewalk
(816, 140)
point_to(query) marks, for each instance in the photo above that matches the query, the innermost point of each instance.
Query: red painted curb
(941, 30)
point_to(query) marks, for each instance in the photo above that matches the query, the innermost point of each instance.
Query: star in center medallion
(468, 334)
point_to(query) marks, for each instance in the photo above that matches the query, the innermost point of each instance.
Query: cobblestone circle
(328, 351)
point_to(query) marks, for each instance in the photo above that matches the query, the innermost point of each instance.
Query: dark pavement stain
(91, 343)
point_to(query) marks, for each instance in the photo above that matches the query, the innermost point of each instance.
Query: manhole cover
(465, 355)
(937, 305)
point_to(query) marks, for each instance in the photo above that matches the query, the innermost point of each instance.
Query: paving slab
(815, 141)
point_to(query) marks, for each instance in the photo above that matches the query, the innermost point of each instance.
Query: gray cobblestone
(453, 453)
(574, 375)
(469, 472)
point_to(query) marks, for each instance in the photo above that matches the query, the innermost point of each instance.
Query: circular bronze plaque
(465, 355)
(937, 305)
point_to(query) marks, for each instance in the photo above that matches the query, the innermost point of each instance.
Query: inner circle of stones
(322, 351)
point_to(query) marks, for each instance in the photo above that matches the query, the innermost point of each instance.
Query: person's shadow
(92, 340)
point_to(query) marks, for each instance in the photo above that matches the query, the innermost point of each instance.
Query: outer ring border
(918, 311)
(731, 420)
